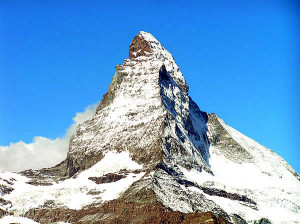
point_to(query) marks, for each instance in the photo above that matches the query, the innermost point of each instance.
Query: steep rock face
(222, 140)
(139, 47)
(144, 89)
(129, 117)
(149, 154)
(148, 112)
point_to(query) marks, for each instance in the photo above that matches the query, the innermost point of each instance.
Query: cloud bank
(42, 152)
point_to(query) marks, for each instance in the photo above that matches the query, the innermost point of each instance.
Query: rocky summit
(150, 155)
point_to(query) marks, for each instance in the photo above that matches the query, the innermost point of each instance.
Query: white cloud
(42, 152)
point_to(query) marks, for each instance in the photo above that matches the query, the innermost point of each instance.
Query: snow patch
(14, 219)
(74, 193)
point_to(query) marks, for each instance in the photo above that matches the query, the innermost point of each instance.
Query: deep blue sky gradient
(240, 59)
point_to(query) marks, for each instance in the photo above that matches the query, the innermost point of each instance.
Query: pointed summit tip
(140, 45)
(146, 45)
(148, 36)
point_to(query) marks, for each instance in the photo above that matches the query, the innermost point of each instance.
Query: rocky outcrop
(7, 204)
(47, 175)
(238, 219)
(122, 212)
(225, 194)
(39, 183)
(263, 221)
(221, 139)
(139, 47)
(4, 189)
(108, 178)
(3, 213)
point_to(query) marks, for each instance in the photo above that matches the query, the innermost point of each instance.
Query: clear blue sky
(240, 59)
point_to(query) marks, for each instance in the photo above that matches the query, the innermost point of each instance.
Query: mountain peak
(145, 45)
(150, 148)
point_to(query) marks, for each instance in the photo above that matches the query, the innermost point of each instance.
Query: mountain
(150, 155)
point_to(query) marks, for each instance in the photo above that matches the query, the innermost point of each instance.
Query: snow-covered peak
(150, 145)
(146, 47)
(148, 36)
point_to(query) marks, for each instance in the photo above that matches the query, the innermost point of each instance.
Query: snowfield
(268, 181)
(14, 219)
(73, 193)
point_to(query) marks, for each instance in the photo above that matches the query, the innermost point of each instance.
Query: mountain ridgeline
(150, 155)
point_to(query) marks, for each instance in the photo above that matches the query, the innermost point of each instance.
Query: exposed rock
(7, 181)
(122, 212)
(224, 194)
(39, 183)
(4, 189)
(4, 202)
(207, 190)
(220, 138)
(108, 178)
(263, 221)
(55, 173)
(238, 219)
(124, 171)
(163, 74)
(139, 47)
(3, 213)
(7, 204)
